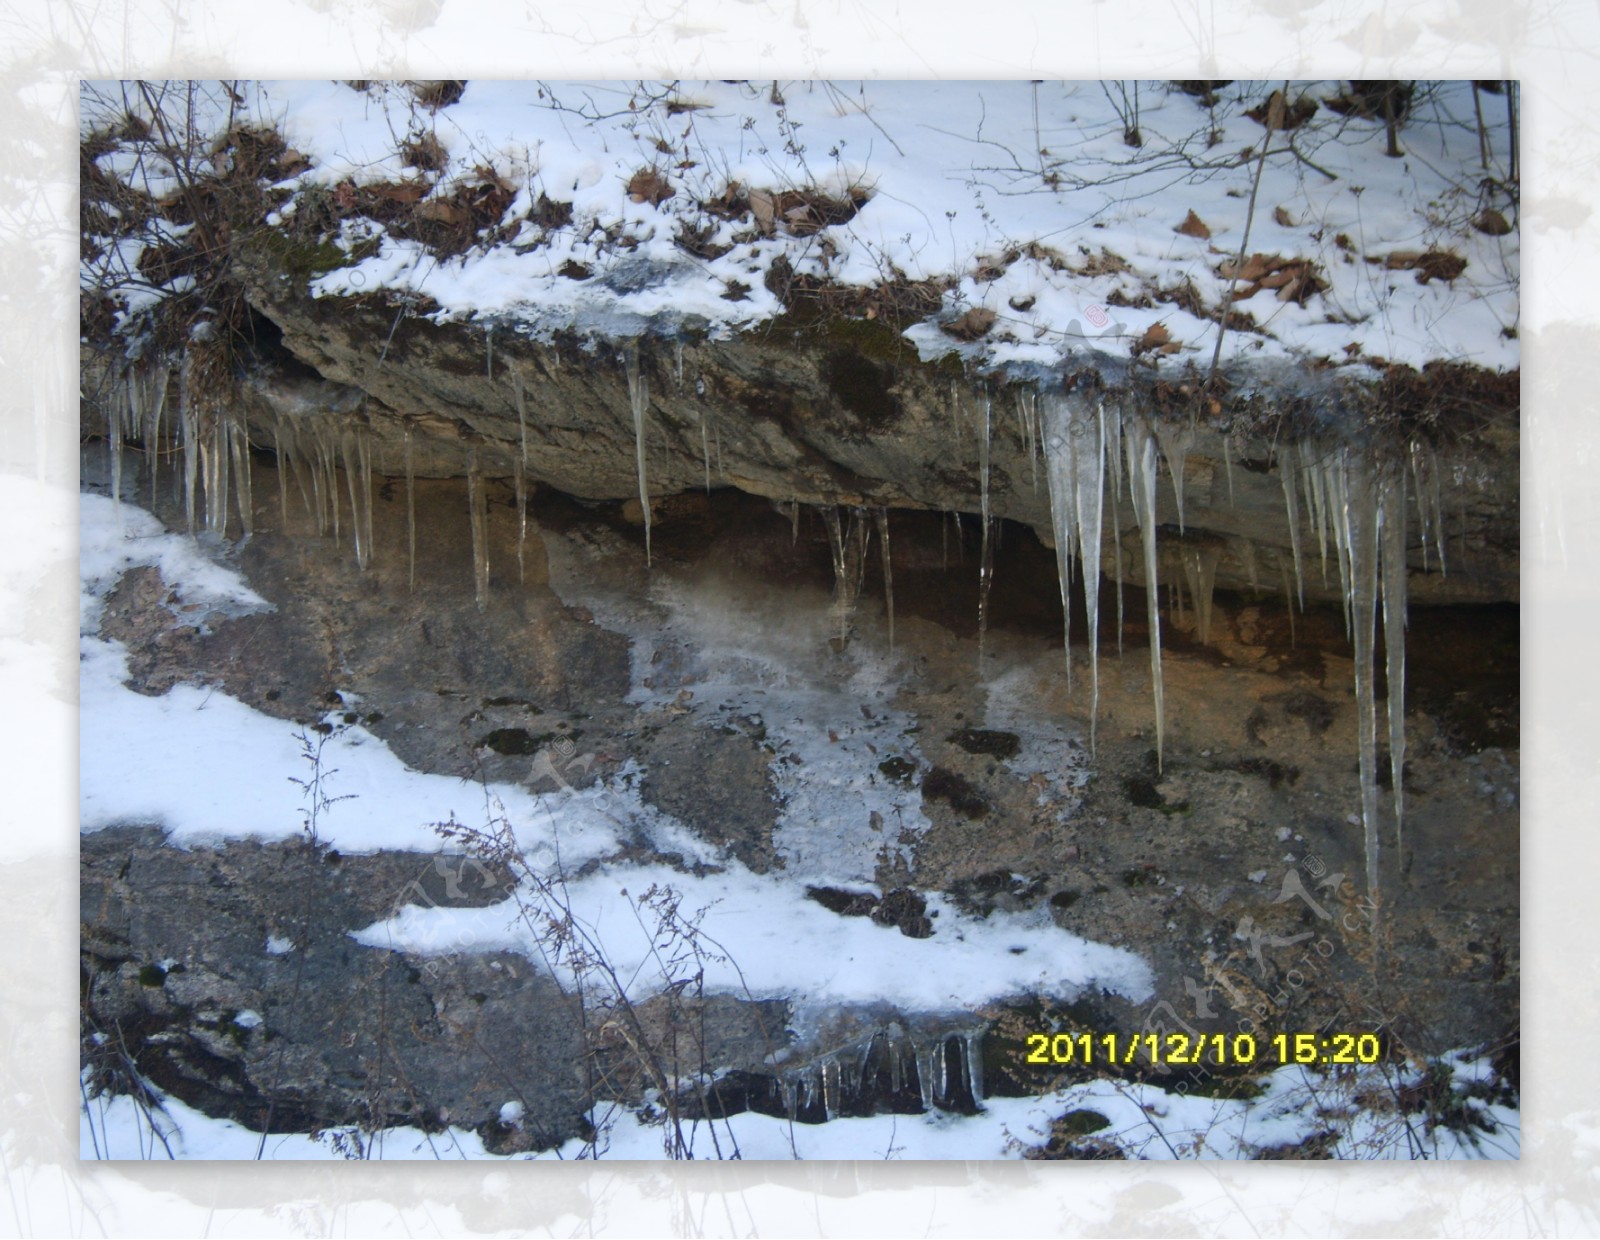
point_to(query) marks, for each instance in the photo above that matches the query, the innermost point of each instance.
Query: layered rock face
(845, 412)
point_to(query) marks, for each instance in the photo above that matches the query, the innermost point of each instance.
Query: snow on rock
(627, 207)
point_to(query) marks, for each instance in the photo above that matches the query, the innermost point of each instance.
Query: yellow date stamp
(1086, 1049)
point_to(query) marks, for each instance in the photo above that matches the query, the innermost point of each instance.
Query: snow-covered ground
(1142, 1120)
(1024, 199)
(206, 767)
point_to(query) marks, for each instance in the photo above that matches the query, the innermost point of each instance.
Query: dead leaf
(1428, 264)
(1491, 222)
(1282, 218)
(975, 323)
(442, 212)
(1256, 266)
(761, 206)
(1157, 337)
(1193, 226)
(648, 185)
(1278, 113)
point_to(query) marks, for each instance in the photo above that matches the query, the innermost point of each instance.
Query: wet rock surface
(1220, 865)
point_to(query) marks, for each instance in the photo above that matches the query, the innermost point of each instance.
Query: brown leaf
(648, 185)
(1282, 218)
(399, 191)
(761, 206)
(1256, 266)
(975, 323)
(1193, 226)
(442, 212)
(1278, 113)
(1491, 222)
(1156, 336)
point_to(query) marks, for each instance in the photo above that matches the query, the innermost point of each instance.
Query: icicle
(705, 450)
(1141, 453)
(1111, 432)
(925, 1076)
(360, 523)
(1361, 507)
(520, 483)
(1436, 503)
(985, 582)
(411, 514)
(1336, 496)
(849, 546)
(1392, 514)
(1176, 440)
(152, 429)
(881, 517)
(983, 463)
(677, 357)
(189, 430)
(1291, 509)
(638, 397)
(1059, 470)
(1200, 574)
(330, 474)
(1316, 488)
(364, 460)
(1025, 401)
(794, 522)
(121, 397)
(522, 412)
(1087, 437)
(830, 1088)
(480, 532)
(1413, 453)
(244, 492)
(488, 352)
(716, 440)
(974, 1047)
(1227, 464)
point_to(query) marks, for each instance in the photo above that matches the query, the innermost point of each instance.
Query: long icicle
(1141, 452)
(411, 513)
(480, 532)
(519, 482)
(986, 555)
(1362, 510)
(1176, 439)
(638, 398)
(243, 491)
(1111, 430)
(1058, 470)
(881, 517)
(1291, 511)
(1089, 469)
(348, 450)
(1392, 510)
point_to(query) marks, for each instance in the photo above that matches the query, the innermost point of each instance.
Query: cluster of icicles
(889, 1070)
(1096, 451)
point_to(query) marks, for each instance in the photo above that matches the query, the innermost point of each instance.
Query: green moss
(304, 259)
(152, 975)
